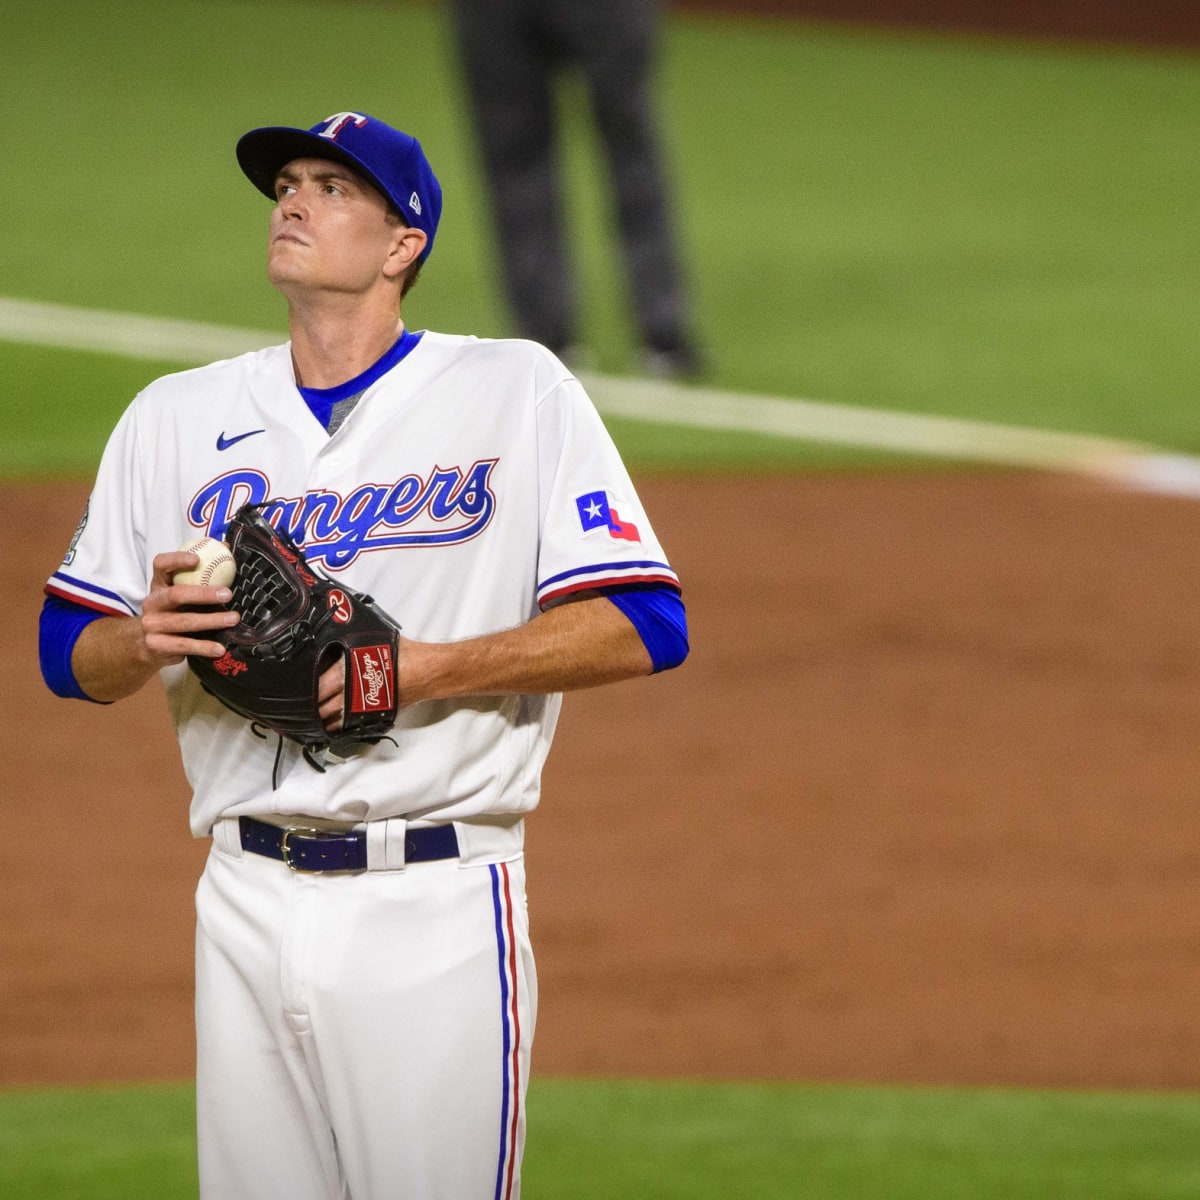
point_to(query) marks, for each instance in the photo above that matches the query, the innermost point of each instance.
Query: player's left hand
(331, 684)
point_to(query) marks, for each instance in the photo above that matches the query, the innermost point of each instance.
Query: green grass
(693, 1142)
(991, 229)
(118, 1143)
(689, 1141)
(67, 404)
(997, 230)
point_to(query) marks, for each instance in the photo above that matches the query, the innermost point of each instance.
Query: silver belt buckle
(303, 830)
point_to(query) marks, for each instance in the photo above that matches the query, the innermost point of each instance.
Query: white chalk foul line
(1129, 463)
(949, 437)
(126, 334)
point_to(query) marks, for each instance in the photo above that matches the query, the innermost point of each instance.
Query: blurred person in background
(513, 51)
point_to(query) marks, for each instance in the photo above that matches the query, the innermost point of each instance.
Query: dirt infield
(920, 807)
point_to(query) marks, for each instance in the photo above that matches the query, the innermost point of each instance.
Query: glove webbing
(260, 593)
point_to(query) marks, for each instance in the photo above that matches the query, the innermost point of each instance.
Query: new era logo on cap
(393, 161)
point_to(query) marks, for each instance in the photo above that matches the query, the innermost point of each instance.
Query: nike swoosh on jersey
(223, 443)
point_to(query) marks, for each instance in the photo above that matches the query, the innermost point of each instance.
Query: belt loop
(227, 836)
(385, 844)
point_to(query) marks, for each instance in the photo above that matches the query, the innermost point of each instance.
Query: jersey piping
(67, 587)
(580, 579)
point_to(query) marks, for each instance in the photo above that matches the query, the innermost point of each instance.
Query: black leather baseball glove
(295, 623)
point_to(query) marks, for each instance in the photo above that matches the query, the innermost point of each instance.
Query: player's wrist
(429, 671)
(413, 672)
(110, 660)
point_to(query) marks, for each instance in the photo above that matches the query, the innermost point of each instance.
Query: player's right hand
(176, 615)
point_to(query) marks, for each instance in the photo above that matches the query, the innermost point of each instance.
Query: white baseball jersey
(472, 484)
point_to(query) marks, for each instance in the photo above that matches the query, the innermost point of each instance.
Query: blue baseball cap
(393, 161)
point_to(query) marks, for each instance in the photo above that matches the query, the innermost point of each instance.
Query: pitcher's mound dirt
(921, 806)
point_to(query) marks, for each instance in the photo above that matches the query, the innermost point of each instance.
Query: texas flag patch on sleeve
(596, 512)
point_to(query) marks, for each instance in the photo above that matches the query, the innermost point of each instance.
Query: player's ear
(407, 244)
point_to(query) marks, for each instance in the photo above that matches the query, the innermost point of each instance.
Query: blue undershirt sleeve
(657, 613)
(59, 628)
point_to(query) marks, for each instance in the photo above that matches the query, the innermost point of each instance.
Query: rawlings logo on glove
(371, 679)
(294, 625)
(228, 665)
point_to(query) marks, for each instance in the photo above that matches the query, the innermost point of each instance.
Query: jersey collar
(321, 400)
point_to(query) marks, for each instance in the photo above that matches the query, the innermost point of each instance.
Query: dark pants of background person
(512, 51)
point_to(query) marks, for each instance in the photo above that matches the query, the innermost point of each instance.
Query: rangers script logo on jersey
(447, 507)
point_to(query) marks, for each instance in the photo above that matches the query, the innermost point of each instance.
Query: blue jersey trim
(657, 613)
(84, 586)
(59, 628)
(321, 400)
(607, 568)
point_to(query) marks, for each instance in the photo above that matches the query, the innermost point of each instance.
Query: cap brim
(263, 153)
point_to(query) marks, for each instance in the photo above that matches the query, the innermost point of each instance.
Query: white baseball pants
(362, 1036)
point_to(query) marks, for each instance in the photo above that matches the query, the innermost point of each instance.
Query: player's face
(330, 231)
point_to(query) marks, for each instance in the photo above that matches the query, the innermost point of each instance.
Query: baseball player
(365, 987)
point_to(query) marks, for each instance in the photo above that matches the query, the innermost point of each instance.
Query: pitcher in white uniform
(364, 1029)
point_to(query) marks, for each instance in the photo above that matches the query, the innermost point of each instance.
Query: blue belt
(317, 850)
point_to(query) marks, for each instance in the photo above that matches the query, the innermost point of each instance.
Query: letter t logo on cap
(335, 124)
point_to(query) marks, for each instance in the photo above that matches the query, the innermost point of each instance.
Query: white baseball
(216, 567)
